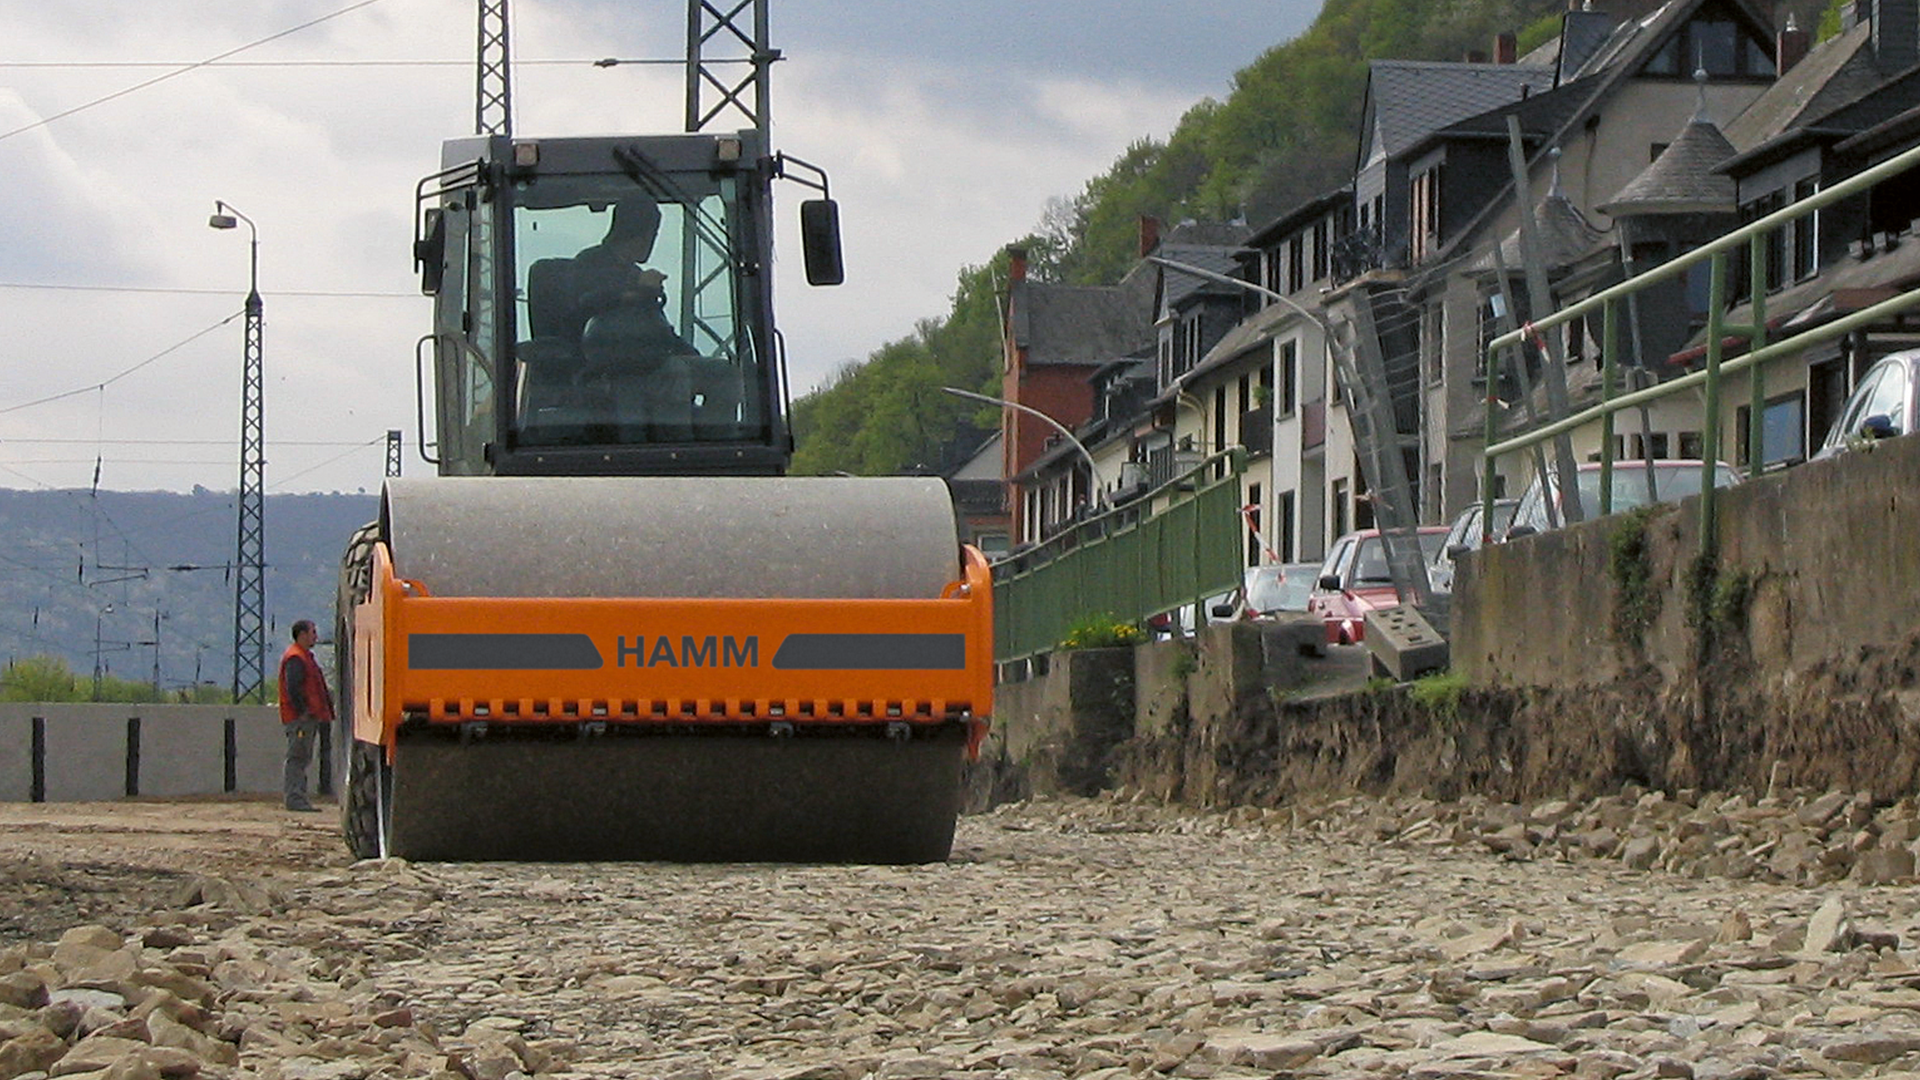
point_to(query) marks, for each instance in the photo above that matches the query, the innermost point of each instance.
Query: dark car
(1465, 536)
(1355, 580)
(1885, 403)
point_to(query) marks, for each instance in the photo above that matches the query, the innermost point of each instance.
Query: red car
(1354, 580)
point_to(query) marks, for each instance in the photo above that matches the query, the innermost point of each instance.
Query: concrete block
(16, 754)
(1160, 673)
(261, 749)
(1403, 645)
(182, 750)
(86, 751)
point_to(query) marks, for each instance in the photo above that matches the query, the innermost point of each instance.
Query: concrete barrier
(91, 752)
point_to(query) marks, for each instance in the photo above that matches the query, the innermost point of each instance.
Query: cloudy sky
(946, 126)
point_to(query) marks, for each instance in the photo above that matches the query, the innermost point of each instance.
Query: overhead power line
(44, 121)
(104, 383)
(168, 291)
(84, 64)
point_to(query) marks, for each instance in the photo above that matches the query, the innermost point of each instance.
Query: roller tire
(360, 790)
(360, 815)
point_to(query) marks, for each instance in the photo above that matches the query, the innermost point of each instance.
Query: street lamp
(249, 594)
(1100, 485)
(1326, 331)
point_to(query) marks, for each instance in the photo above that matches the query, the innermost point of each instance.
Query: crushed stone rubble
(1635, 936)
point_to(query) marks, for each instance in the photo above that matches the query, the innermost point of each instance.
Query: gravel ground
(1066, 938)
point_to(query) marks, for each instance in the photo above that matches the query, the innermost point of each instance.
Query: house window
(1692, 446)
(1244, 398)
(1289, 377)
(1253, 525)
(1339, 508)
(1433, 342)
(1271, 263)
(1220, 417)
(1640, 448)
(1425, 222)
(1284, 533)
(1806, 233)
(1296, 263)
(1716, 42)
(1322, 243)
(1783, 428)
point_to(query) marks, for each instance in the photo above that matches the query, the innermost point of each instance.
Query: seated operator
(625, 336)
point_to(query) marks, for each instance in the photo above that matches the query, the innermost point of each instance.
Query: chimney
(1506, 48)
(1896, 34)
(1149, 235)
(1790, 45)
(1016, 264)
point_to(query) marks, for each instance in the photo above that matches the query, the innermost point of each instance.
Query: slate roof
(1882, 104)
(1080, 324)
(1684, 179)
(1207, 245)
(1407, 99)
(1565, 237)
(1832, 74)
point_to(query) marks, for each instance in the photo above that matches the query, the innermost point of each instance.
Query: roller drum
(744, 537)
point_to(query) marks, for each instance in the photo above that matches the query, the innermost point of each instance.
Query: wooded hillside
(1286, 131)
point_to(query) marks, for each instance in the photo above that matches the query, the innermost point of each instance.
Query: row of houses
(1630, 139)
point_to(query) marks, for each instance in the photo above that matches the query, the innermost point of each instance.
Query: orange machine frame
(667, 660)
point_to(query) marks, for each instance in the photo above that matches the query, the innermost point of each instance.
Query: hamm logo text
(688, 651)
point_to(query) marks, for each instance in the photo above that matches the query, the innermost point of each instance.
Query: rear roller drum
(358, 764)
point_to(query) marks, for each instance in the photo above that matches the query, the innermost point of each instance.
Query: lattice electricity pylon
(725, 23)
(250, 558)
(493, 82)
(393, 452)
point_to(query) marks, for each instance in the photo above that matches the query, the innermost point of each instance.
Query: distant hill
(75, 563)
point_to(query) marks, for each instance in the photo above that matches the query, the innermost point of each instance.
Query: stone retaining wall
(82, 752)
(1594, 658)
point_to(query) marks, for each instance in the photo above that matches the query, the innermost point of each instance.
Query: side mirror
(1878, 426)
(820, 241)
(1222, 611)
(1519, 531)
(430, 251)
(1330, 582)
(1454, 551)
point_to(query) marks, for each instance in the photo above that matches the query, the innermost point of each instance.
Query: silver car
(1885, 403)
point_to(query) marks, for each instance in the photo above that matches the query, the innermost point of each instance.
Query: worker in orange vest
(305, 709)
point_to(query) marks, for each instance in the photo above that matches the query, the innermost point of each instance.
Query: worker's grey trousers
(302, 737)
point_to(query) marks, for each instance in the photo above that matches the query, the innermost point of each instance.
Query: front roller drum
(862, 798)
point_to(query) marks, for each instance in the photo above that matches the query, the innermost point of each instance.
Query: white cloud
(937, 161)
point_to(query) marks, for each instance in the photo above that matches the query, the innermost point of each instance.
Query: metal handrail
(1718, 330)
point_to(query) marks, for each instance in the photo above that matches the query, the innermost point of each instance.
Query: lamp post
(1100, 485)
(249, 593)
(1326, 335)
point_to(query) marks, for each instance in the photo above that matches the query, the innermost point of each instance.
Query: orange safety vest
(319, 703)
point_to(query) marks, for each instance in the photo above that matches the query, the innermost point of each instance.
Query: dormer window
(1713, 41)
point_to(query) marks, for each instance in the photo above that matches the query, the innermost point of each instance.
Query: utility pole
(728, 23)
(493, 86)
(250, 557)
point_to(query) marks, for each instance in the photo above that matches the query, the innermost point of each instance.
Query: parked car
(1355, 580)
(1268, 592)
(1465, 536)
(1672, 479)
(1885, 403)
